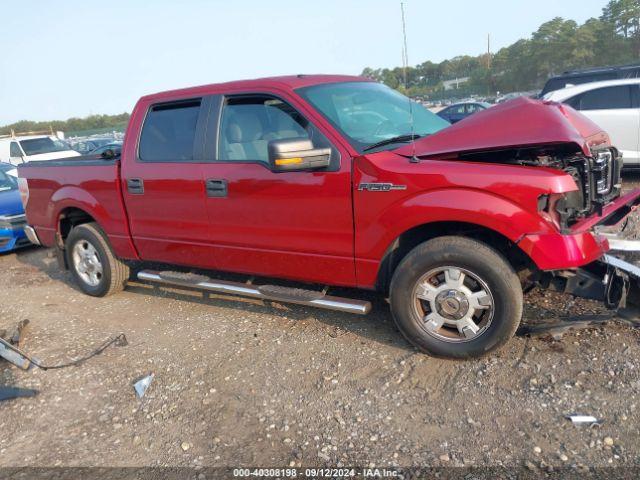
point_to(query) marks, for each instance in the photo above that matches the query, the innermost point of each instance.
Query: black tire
(114, 274)
(479, 260)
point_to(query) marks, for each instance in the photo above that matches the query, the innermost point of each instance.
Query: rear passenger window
(606, 98)
(169, 132)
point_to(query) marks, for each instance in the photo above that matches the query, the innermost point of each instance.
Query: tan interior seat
(244, 138)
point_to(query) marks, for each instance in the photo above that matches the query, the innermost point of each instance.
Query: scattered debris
(12, 355)
(8, 342)
(8, 393)
(558, 327)
(22, 360)
(16, 336)
(142, 384)
(582, 419)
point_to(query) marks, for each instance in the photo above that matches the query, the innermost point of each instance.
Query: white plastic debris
(582, 419)
(141, 385)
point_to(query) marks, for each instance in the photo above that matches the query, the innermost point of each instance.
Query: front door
(294, 225)
(163, 188)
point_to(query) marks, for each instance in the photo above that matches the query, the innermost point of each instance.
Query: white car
(612, 104)
(20, 149)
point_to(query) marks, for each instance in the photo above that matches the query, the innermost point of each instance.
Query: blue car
(12, 217)
(458, 111)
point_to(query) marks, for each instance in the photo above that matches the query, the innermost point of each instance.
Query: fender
(114, 227)
(376, 234)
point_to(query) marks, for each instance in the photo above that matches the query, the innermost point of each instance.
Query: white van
(17, 149)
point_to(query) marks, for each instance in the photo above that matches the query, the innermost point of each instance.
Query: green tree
(624, 17)
(556, 46)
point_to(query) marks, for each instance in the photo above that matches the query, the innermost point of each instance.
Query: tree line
(92, 122)
(556, 46)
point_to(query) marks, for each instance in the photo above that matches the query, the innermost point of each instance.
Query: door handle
(135, 186)
(216, 188)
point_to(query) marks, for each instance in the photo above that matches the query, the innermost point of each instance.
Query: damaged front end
(597, 178)
(613, 279)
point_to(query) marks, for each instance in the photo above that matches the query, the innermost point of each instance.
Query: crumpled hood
(10, 202)
(519, 122)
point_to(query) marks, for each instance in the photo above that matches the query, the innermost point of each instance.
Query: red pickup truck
(341, 181)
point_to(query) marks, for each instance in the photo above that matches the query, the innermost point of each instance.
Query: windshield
(7, 182)
(369, 112)
(36, 146)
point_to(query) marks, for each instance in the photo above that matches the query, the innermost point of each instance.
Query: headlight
(602, 161)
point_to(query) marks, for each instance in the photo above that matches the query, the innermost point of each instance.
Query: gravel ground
(246, 383)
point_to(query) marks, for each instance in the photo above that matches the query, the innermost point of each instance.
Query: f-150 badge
(380, 187)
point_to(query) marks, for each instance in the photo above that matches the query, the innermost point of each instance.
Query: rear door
(615, 109)
(163, 187)
(296, 224)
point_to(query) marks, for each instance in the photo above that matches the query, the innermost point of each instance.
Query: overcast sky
(75, 58)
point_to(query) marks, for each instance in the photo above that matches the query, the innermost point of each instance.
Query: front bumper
(555, 251)
(612, 214)
(583, 244)
(11, 239)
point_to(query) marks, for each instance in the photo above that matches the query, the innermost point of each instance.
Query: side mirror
(297, 154)
(108, 154)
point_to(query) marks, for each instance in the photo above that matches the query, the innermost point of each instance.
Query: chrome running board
(265, 292)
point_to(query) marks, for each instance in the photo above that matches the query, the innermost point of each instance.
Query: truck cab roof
(287, 82)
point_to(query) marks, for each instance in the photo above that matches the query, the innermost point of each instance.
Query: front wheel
(96, 270)
(456, 297)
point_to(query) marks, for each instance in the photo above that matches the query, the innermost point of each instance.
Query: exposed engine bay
(597, 177)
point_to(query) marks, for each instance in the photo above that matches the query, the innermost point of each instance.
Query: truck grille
(598, 181)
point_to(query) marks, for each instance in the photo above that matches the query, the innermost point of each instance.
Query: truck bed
(60, 185)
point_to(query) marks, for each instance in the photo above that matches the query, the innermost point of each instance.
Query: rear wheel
(456, 297)
(93, 265)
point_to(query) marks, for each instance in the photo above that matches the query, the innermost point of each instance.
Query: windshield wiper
(398, 139)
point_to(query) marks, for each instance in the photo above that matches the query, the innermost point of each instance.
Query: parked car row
(88, 146)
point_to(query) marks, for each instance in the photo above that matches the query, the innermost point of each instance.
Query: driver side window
(249, 123)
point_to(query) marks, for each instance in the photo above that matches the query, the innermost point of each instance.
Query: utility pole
(488, 64)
